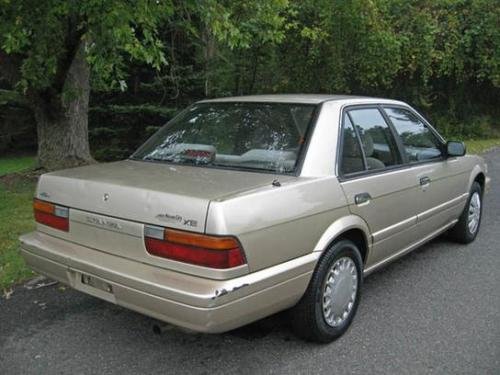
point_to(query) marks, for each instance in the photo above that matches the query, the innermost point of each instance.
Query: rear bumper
(196, 303)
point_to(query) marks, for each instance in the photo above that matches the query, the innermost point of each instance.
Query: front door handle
(425, 181)
(362, 198)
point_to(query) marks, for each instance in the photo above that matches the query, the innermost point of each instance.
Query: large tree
(53, 50)
(50, 49)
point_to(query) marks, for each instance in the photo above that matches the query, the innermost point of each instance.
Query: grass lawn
(482, 145)
(13, 164)
(16, 217)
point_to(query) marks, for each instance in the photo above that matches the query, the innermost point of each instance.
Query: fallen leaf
(7, 293)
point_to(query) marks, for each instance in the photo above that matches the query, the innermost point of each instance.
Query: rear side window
(419, 142)
(379, 147)
(352, 158)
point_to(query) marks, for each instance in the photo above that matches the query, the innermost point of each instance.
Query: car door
(376, 183)
(442, 181)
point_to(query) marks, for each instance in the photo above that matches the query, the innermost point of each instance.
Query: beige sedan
(241, 207)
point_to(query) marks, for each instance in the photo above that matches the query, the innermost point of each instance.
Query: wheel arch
(477, 175)
(350, 227)
(481, 180)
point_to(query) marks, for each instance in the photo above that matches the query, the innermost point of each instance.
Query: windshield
(254, 136)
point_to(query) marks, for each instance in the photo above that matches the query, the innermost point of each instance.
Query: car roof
(295, 98)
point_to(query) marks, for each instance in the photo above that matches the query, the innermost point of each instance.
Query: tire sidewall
(342, 248)
(476, 188)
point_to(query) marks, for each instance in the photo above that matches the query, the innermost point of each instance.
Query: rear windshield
(246, 136)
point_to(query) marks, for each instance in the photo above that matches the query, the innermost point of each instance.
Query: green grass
(16, 164)
(481, 145)
(16, 217)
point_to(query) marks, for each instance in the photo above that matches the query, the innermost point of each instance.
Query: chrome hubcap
(339, 291)
(474, 213)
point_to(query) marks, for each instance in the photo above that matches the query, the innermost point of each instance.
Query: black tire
(461, 232)
(307, 318)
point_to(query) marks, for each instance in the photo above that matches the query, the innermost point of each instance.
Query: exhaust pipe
(160, 328)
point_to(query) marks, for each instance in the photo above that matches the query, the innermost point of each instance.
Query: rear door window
(379, 146)
(352, 157)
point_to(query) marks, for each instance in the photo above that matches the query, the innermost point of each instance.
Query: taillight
(199, 249)
(51, 214)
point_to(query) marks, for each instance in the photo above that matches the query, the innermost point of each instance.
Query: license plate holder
(93, 285)
(94, 282)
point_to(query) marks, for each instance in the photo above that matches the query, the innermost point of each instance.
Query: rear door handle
(425, 180)
(362, 198)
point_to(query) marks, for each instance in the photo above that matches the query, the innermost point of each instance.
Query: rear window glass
(254, 136)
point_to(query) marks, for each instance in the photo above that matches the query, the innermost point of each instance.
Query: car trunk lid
(110, 203)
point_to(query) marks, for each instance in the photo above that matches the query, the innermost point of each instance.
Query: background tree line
(132, 65)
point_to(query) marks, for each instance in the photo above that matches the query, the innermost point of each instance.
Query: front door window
(419, 142)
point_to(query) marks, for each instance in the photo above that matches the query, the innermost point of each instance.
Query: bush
(476, 127)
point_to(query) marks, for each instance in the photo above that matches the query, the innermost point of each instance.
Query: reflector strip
(61, 211)
(154, 232)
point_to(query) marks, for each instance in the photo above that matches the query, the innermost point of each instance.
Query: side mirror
(454, 148)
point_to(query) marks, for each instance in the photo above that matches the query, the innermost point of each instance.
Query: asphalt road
(436, 310)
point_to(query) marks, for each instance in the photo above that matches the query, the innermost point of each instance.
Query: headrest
(351, 147)
(367, 144)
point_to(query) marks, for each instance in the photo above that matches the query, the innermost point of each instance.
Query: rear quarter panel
(277, 224)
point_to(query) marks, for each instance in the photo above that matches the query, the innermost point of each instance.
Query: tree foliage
(43, 36)
(443, 56)
(116, 32)
(50, 50)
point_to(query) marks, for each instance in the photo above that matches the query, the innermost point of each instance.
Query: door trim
(394, 229)
(442, 207)
(408, 249)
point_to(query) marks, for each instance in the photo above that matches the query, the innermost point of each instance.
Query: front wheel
(467, 227)
(330, 302)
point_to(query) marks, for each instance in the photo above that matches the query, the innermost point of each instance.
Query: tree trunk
(62, 119)
(208, 55)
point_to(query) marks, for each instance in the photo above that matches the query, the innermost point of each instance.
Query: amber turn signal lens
(200, 240)
(43, 206)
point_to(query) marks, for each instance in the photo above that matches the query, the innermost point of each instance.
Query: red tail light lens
(51, 215)
(199, 249)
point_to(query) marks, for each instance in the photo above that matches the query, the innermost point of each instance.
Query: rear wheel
(330, 302)
(467, 227)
